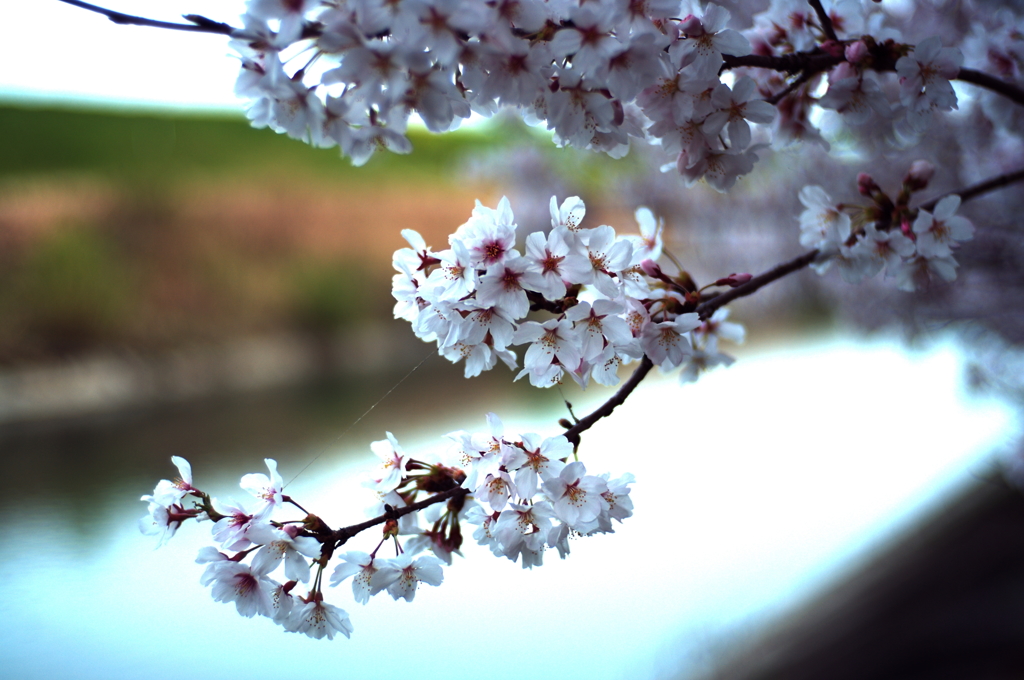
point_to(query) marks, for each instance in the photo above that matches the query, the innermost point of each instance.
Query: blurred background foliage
(144, 232)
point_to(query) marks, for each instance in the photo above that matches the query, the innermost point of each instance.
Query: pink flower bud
(907, 229)
(691, 26)
(651, 268)
(855, 52)
(865, 185)
(832, 47)
(919, 174)
(733, 280)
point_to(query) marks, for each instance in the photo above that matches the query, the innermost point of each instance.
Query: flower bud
(691, 26)
(918, 176)
(733, 280)
(832, 47)
(855, 52)
(652, 269)
(865, 185)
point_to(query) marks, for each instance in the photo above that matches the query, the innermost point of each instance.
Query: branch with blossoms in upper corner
(600, 75)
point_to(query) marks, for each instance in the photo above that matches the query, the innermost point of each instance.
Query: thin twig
(998, 86)
(825, 19)
(200, 24)
(345, 533)
(978, 189)
(707, 308)
(572, 434)
(605, 409)
(789, 89)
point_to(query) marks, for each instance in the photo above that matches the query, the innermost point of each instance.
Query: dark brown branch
(789, 89)
(814, 62)
(345, 533)
(572, 434)
(605, 409)
(979, 189)
(199, 24)
(825, 19)
(706, 309)
(988, 82)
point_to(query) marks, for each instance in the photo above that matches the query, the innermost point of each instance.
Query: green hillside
(154, 148)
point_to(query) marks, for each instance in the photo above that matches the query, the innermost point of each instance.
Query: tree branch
(825, 19)
(200, 24)
(992, 83)
(341, 535)
(708, 307)
(978, 189)
(813, 62)
(605, 409)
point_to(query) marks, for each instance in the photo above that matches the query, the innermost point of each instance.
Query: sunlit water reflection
(754, 488)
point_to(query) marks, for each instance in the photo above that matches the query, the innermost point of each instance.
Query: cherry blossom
(734, 108)
(360, 566)
(392, 467)
(706, 40)
(170, 492)
(668, 343)
(236, 582)
(576, 496)
(317, 619)
(267, 489)
(535, 460)
(603, 257)
(822, 225)
(401, 575)
(283, 545)
(939, 231)
(924, 78)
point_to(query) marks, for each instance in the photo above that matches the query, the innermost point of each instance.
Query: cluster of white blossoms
(525, 492)
(583, 301)
(522, 491)
(242, 532)
(598, 73)
(862, 241)
(609, 301)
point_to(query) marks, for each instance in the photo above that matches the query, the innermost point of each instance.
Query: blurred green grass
(150, 148)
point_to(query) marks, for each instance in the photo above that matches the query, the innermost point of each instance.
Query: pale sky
(83, 57)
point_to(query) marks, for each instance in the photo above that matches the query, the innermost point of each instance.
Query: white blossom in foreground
(576, 496)
(317, 619)
(360, 566)
(823, 225)
(938, 233)
(268, 490)
(401, 575)
(583, 339)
